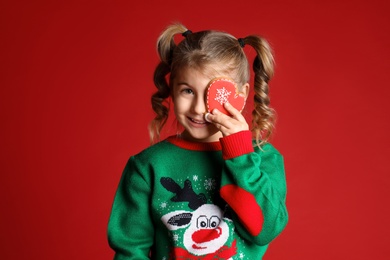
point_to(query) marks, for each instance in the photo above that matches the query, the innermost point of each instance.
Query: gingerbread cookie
(222, 90)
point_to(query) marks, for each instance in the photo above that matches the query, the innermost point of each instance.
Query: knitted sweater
(186, 200)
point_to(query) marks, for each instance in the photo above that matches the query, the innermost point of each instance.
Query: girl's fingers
(218, 117)
(206, 117)
(227, 124)
(234, 112)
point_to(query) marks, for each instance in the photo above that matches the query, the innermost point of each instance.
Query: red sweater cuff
(236, 144)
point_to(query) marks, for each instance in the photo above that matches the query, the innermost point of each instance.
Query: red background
(76, 79)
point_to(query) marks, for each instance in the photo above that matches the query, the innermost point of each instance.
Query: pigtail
(159, 100)
(263, 116)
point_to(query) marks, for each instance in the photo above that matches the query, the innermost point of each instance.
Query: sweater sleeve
(253, 184)
(130, 228)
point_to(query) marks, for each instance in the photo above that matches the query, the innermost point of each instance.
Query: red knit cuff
(236, 144)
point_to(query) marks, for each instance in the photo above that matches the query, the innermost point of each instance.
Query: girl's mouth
(201, 122)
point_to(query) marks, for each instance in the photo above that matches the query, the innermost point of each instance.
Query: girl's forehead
(192, 76)
(209, 71)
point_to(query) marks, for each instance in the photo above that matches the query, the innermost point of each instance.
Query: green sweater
(186, 200)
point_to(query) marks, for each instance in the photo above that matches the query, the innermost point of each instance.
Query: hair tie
(241, 42)
(186, 33)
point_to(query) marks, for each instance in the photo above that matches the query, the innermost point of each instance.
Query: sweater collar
(194, 146)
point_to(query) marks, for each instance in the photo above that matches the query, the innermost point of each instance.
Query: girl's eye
(187, 91)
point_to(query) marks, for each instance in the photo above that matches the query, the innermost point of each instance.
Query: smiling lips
(197, 122)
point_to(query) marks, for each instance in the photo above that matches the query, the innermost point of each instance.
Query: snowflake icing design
(195, 177)
(209, 184)
(241, 256)
(163, 205)
(176, 237)
(222, 95)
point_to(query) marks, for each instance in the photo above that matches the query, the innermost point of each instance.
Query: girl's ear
(245, 90)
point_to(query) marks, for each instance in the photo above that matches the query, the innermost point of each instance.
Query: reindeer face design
(206, 228)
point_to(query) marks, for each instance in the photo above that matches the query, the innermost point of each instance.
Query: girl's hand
(227, 124)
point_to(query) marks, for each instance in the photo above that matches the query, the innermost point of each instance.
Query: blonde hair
(202, 49)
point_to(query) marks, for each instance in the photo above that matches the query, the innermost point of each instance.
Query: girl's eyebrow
(183, 83)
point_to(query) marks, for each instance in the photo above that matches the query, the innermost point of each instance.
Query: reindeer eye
(201, 222)
(214, 221)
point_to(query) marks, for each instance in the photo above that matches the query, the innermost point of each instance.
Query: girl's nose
(199, 105)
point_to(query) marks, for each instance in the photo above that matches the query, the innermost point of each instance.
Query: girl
(209, 192)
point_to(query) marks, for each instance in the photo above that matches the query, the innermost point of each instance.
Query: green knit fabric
(169, 203)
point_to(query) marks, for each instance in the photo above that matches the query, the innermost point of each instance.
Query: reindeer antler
(184, 194)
